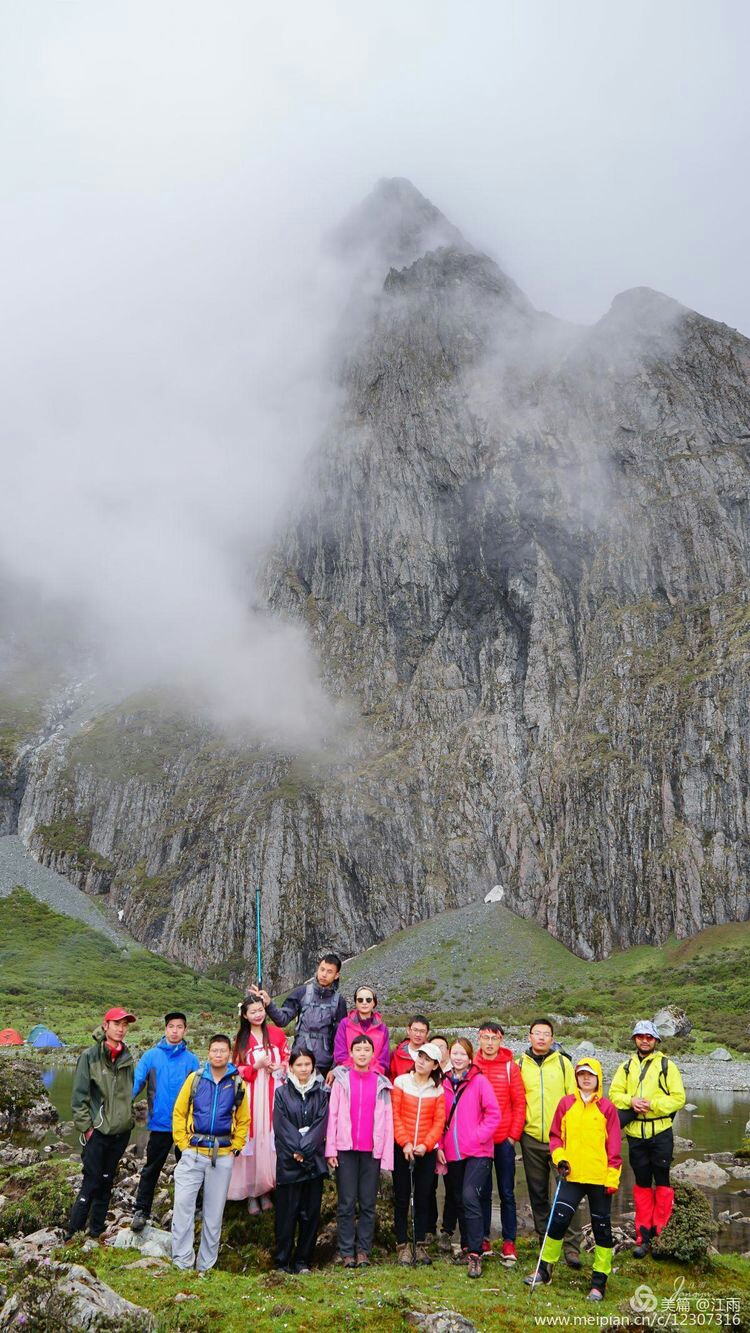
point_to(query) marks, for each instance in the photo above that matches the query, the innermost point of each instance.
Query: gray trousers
(357, 1179)
(541, 1179)
(193, 1170)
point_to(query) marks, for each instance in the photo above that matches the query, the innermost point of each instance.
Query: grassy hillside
(460, 967)
(482, 961)
(58, 971)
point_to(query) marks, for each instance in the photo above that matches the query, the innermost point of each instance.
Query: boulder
(38, 1242)
(24, 1103)
(682, 1145)
(740, 1172)
(151, 1242)
(720, 1053)
(441, 1321)
(708, 1175)
(582, 1049)
(72, 1292)
(671, 1021)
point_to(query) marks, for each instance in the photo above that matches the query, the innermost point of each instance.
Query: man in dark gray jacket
(318, 1008)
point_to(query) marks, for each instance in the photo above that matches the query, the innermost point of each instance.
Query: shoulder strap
(239, 1091)
(663, 1083)
(457, 1095)
(194, 1081)
(562, 1065)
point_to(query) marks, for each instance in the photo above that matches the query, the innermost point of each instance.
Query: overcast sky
(591, 146)
(168, 167)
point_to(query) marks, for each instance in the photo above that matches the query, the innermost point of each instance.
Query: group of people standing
(266, 1123)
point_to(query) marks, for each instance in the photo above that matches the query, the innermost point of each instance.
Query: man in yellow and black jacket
(648, 1092)
(547, 1076)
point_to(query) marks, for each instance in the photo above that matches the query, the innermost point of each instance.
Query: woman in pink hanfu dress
(262, 1056)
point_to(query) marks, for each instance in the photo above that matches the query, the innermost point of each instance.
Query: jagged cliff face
(523, 559)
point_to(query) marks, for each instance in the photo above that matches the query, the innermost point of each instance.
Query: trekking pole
(413, 1214)
(549, 1224)
(258, 946)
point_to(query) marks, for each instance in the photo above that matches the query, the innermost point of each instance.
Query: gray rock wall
(523, 559)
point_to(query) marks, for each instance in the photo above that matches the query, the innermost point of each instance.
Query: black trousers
(466, 1183)
(357, 1179)
(101, 1158)
(651, 1158)
(424, 1175)
(297, 1211)
(157, 1151)
(600, 1207)
(540, 1174)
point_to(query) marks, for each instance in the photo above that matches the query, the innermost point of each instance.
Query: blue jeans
(505, 1170)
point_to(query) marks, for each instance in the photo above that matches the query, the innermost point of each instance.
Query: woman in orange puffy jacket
(418, 1123)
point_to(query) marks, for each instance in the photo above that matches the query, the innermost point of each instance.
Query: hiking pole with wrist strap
(533, 1282)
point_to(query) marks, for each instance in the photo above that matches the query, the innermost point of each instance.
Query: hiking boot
(595, 1295)
(508, 1256)
(540, 1279)
(363, 1260)
(350, 1261)
(302, 1269)
(644, 1245)
(422, 1255)
(403, 1254)
(486, 1247)
(445, 1242)
(474, 1265)
(138, 1221)
(573, 1260)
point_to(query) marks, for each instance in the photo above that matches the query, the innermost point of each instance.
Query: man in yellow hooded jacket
(547, 1075)
(648, 1092)
(585, 1141)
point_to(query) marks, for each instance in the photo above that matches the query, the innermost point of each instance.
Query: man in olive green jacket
(102, 1106)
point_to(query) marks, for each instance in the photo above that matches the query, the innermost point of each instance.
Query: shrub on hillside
(691, 1229)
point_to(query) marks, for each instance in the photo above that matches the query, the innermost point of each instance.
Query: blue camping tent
(42, 1036)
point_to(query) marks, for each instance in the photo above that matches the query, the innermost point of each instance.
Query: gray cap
(645, 1028)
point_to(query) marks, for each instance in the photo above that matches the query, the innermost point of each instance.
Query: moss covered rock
(38, 1196)
(691, 1229)
(23, 1096)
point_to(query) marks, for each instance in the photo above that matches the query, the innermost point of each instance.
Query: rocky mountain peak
(394, 225)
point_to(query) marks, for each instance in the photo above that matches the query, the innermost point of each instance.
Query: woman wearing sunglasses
(363, 1021)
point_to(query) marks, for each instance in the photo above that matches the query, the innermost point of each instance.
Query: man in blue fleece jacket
(163, 1069)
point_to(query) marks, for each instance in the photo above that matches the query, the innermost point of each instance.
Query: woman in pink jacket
(467, 1148)
(363, 1019)
(358, 1143)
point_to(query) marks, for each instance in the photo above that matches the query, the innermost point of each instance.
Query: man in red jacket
(404, 1055)
(496, 1062)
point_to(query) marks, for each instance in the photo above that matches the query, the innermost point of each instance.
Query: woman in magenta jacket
(363, 1020)
(467, 1147)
